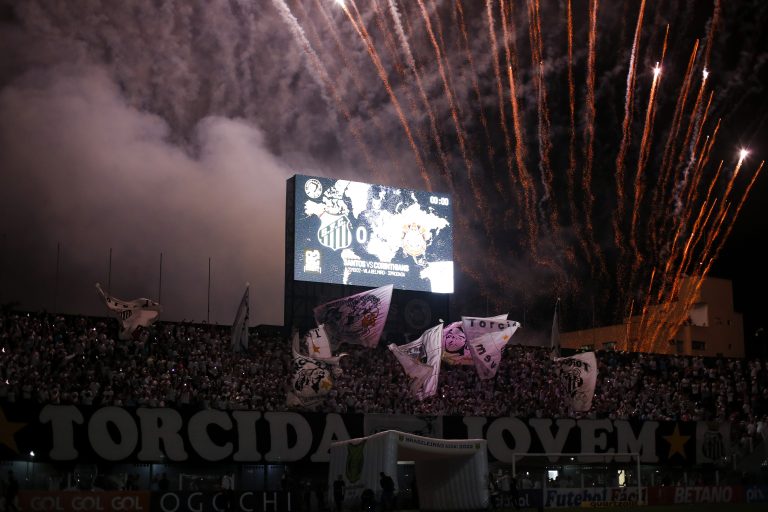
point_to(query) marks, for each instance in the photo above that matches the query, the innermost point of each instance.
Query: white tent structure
(451, 474)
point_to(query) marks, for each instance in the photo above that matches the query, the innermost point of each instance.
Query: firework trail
(688, 139)
(459, 11)
(691, 195)
(545, 146)
(644, 314)
(669, 148)
(735, 217)
(626, 346)
(500, 94)
(363, 33)
(626, 131)
(320, 74)
(529, 191)
(446, 57)
(639, 186)
(675, 318)
(703, 156)
(342, 51)
(449, 95)
(389, 41)
(698, 120)
(572, 124)
(660, 251)
(316, 67)
(711, 33)
(409, 59)
(590, 113)
(698, 229)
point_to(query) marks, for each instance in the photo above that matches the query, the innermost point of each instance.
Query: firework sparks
(652, 251)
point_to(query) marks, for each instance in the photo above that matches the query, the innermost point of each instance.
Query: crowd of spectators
(80, 360)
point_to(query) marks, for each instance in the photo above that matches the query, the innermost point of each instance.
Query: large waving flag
(131, 313)
(421, 361)
(486, 350)
(240, 325)
(312, 378)
(317, 343)
(358, 319)
(318, 346)
(455, 346)
(578, 376)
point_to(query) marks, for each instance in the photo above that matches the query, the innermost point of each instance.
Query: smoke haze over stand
(94, 173)
(172, 127)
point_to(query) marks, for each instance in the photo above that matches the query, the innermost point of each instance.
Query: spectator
(339, 488)
(11, 493)
(387, 491)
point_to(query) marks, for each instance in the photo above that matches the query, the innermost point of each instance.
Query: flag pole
(209, 291)
(2, 268)
(109, 272)
(160, 281)
(56, 282)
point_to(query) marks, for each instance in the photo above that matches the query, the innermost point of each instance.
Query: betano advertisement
(354, 233)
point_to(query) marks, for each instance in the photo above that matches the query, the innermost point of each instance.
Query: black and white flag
(132, 314)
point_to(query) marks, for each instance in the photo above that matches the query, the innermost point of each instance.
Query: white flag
(358, 319)
(486, 350)
(312, 378)
(423, 376)
(455, 346)
(578, 376)
(476, 326)
(131, 313)
(240, 325)
(317, 343)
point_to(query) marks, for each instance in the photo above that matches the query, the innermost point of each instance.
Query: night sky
(171, 127)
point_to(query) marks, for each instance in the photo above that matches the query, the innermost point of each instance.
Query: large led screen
(347, 232)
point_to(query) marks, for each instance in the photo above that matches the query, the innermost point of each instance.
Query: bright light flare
(705, 73)
(743, 153)
(656, 70)
(340, 3)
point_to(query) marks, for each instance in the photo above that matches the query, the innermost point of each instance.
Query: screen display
(347, 232)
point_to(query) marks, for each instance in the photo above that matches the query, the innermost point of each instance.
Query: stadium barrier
(145, 501)
(277, 501)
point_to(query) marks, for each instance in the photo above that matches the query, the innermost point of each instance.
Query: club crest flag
(358, 319)
(131, 313)
(240, 325)
(486, 350)
(312, 379)
(578, 376)
(421, 361)
(455, 346)
(317, 343)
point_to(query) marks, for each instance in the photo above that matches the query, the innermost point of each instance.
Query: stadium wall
(112, 434)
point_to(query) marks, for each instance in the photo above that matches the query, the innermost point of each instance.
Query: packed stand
(79, 360)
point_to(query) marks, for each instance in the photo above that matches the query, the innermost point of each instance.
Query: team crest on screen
(336, 234)
(414, 240)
